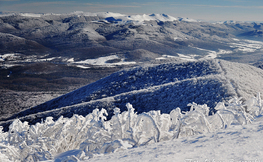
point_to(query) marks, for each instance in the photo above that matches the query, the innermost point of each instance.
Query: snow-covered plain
(246, 45)
(240, 46)
(103, 61)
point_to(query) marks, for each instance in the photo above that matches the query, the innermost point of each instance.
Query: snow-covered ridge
(186, 19)
(118, 18)
(110, 16)
(178, 83)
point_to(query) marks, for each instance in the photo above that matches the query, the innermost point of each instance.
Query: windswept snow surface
(83, 138)
(235, 144)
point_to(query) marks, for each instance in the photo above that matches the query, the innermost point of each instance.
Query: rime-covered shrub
(80, 138)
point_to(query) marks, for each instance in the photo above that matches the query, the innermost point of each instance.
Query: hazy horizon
(218, 10)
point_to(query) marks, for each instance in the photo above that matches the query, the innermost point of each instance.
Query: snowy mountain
(53, 54)
(154, 87)
(91, 35)
(157, 88)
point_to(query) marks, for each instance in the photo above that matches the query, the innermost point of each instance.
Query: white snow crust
(82, 138)
(235, 144)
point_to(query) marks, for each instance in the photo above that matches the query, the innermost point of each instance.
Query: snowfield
(247, 45)
(103, 61)
(226, 134)
(235, 144)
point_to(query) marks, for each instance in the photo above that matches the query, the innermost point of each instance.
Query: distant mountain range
(82, 35)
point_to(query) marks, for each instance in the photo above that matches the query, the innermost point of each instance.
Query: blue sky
(218, 10)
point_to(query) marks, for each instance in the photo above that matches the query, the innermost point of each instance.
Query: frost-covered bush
(80, 138)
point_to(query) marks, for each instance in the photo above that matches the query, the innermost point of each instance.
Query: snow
(165, 57)
(17, 57)
(8, 65)
(22, 14)
(109, 14)
(123, 19)
(102, 61)
(9, 56)
(178, 83)
(71, 60)
(13, 58)
(213, 54)
(221, 51)
(82, 67)
(234, 144)
(187, 19)
(187, 57)
(180, 56)
(154, 134)
(116, 17)
(201, 133)
(98, 61)
(128, 136)
(246, 45)
(92, 34)
(136, 19)
(235, 39)
(30, 15)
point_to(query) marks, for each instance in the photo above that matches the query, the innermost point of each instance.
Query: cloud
(43, 3)
(221, 6)
(111, 6)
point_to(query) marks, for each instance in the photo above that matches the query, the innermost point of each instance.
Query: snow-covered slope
(81, 138)
(140, 106)
(237, 143)
(155, 87)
